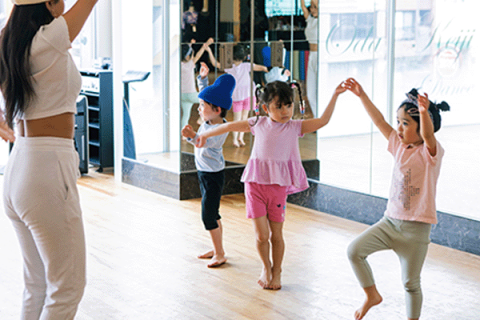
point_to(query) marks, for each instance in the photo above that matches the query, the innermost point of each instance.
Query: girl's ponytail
(259, 90)
(293, 85)
(434, 111)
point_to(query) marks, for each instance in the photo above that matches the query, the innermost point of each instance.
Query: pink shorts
(238, 106)
(265, 200)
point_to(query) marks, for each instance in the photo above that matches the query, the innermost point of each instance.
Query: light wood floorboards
(142, 264)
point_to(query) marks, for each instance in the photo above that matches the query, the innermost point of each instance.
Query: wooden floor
(142, 264)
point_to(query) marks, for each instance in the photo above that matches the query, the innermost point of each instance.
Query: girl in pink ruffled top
(274, 169)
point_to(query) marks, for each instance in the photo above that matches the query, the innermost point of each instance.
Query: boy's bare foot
(373, 299)
(206, 255)
(264, 279)
(217, 261)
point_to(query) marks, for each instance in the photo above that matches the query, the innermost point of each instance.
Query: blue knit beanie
(220, 92)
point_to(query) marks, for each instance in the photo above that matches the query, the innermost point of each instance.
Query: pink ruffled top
(275, 157)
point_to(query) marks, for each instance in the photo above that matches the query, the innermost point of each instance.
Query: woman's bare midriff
(313, 46)
(60, 126)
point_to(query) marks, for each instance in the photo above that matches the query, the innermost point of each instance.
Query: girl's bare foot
(206, 255)
(373, 298)
(236, 144)
(264, 279)
(217, 261)
(275, 283)
(241, 142)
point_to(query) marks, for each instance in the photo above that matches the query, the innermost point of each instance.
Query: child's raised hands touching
(341, 88)
(355, 87)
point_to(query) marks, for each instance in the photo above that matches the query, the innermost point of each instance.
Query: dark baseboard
(452, 231)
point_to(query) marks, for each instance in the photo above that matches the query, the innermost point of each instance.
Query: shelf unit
(97, 87)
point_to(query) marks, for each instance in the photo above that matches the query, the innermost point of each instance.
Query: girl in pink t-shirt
(406, 226)
(274, 169)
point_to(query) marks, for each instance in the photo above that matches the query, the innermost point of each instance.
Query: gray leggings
(409, 240)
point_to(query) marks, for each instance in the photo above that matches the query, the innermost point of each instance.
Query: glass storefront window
(435, 49)
(442, 62)
(351, 45)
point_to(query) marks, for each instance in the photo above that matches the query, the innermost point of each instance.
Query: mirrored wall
(246, 37)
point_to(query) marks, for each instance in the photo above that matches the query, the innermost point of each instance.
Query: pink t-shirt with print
(414, 181)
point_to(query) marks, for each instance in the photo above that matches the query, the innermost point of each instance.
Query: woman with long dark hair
(40, 84)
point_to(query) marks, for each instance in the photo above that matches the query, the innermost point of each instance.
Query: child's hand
(188, 132)
(352, 85)
(192, 41)
(204, 70)
(201, 140)
(341, 88)
(209, 41)
(423, 103)
(286, 72)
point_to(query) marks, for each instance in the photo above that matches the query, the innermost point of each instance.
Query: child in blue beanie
(215, 101)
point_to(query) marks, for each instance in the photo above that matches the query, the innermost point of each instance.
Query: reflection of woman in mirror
(311, 33)
(189, 91)
(244, 88)
(189, 23)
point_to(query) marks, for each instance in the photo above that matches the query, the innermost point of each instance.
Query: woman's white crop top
(56, 80)
(311, 30)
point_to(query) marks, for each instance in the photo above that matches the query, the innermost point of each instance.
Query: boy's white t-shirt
(56, 80)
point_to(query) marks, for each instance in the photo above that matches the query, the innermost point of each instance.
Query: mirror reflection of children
(189, 94)
(405, 227)
(244, 88)
(274, 169)
(215, 101)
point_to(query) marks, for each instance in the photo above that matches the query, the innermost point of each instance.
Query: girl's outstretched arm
(259, 67)
(213, 61)
(312, 125)
(376, 116)
(238, 126)
(426, 125)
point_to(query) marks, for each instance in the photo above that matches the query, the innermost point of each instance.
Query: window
(436, 46)
(352, 25)
(405, 25)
